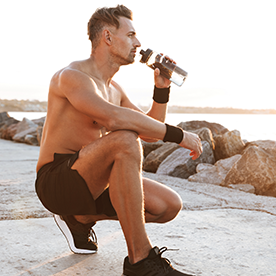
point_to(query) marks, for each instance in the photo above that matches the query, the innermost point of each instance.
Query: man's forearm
(158, 111)
(159, 106)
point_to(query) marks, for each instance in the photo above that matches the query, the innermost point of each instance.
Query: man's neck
(103, 67)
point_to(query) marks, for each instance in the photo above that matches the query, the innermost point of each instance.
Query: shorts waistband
(58, 159)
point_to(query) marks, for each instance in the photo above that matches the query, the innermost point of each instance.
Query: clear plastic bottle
(167, 69)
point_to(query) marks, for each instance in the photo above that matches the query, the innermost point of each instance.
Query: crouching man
(89, 167)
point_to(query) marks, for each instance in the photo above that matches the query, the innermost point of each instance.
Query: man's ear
(107, 36)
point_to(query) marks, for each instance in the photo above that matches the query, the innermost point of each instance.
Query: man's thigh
(96, 160)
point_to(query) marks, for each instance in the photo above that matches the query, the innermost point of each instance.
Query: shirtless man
(89, 167)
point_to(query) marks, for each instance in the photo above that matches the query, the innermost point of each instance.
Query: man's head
(112, 33)
(103, 18)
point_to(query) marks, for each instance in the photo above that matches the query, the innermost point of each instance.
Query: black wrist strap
(173, 134)
(161, 95)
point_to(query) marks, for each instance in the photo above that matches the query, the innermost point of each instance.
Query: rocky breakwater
(25, 131)
(227, 160)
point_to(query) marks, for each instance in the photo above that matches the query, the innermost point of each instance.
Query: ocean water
(251, 126)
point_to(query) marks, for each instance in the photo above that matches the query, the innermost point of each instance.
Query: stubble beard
(121, 60)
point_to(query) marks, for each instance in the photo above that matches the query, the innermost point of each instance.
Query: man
(89, 167)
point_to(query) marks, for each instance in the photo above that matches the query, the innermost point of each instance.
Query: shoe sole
(70, 240)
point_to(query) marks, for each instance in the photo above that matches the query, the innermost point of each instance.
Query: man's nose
(137, 43)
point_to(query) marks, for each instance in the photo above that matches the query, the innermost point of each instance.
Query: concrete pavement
(220, 231)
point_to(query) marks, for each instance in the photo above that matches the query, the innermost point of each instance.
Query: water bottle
(167, 69)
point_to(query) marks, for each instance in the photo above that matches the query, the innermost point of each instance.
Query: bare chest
(110, 94)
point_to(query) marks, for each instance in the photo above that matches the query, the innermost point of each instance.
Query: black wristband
(173, 134)
(161, 95)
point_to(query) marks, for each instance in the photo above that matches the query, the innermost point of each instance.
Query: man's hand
(160, 81)
(192, 142)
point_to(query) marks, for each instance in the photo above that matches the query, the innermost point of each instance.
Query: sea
(252, 127)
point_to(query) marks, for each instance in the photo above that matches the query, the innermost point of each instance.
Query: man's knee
(174, 207)
(177, 204)
(127, 143)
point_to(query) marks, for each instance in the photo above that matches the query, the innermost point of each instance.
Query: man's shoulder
(69, 78)
(75, 67)
(71, 73)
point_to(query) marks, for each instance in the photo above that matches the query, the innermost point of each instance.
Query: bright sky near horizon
(227, 47)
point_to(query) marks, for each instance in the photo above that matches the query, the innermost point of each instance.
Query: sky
(227, 48)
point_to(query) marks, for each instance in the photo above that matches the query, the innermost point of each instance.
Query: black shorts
(64, 192)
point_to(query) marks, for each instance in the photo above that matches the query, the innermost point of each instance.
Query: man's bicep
(82, 93)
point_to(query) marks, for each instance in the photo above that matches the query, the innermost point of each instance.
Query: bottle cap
(145, 55)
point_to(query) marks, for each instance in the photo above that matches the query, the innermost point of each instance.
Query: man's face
(124, 42)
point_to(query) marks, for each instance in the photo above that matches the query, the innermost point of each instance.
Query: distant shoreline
(214, 110)
(37, 106)
(22, 105)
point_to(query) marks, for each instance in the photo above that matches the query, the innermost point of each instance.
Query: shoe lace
(92, 236)
(166, 264)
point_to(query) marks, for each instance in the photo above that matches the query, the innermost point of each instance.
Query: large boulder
(228, 144)
(156, 157)
(257, 167)
(214, 174)
(215, 128)
(205, 134)
(265, 144)
(180, 163)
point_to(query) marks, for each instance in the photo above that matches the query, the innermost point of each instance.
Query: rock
(31, 140)
(26, 131)
(23, 132)
(228, 144)
(205, 134)
(9, 132)
(148, 147)
(256, 167)
(5, 122)
(24, 128)
(39, 134)
(24, 125)
(179, 156)
(247, 188)
(155, 158)
(214, 174)
(216, 129)
(203, 166)
(180, 163)
(265, 144)
(20, 137)
(40, 121)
